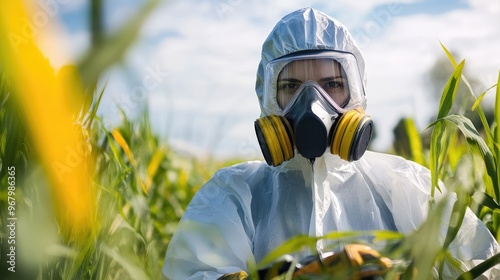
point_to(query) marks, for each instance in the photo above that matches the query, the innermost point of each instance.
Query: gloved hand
(356, 261)
(242, 275)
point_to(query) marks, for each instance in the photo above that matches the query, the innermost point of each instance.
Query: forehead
(311, 69)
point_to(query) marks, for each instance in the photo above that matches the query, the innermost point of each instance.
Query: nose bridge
(309, 89)
(310, 99)
(309, 93)
(311, 84)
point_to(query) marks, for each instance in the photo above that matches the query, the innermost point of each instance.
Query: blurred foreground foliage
(88, 202)
(139, 187)
(142, 189)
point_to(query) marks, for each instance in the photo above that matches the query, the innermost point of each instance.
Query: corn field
(80, 200)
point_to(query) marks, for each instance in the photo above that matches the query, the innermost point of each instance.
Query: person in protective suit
(318, 176)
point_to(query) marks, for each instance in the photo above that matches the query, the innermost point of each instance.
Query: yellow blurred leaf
(415, 142)
(50, 106)
(153, 166)
(182, 179)
(123, 144)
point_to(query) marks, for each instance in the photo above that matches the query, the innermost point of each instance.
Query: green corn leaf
(117, 158)
(481, 96)
(450, 91)
(476, 105)
(496, 140)
(487, 130)
(134, 271)
(454, 63)
(495, 217)
(476, 144)
(486, 200)
(292, 245)
(435, 151)
(448, 54)
(480, 268)
(436, 154)
(92, 115)
(386, 235)
(415, 142)
(457, 217)
(447, 98)
(422, 243)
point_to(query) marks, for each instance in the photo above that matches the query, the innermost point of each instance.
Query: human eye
(288, 88)
(337, 90)
(334, 84)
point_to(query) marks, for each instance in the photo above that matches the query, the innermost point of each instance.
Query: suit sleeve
(214, 236)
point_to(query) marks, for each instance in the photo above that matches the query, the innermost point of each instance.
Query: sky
(195, 61)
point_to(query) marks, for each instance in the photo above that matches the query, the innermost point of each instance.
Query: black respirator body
(311, 125)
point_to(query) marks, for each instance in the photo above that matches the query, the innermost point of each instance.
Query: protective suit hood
(302, 30)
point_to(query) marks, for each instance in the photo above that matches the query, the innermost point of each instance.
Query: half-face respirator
(321, 99)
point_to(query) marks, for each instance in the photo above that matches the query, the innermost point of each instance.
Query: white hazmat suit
(247, 210)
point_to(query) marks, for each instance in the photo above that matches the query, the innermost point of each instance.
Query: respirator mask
(313, 102)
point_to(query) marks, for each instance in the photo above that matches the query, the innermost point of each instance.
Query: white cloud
(399, 59)
(487, 6)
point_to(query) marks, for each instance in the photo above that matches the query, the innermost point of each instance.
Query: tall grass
(115, 219)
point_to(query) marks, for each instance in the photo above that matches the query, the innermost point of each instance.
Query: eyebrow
(330, 78)
(290, 80)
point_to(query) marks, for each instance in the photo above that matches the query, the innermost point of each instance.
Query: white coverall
(247, 210)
